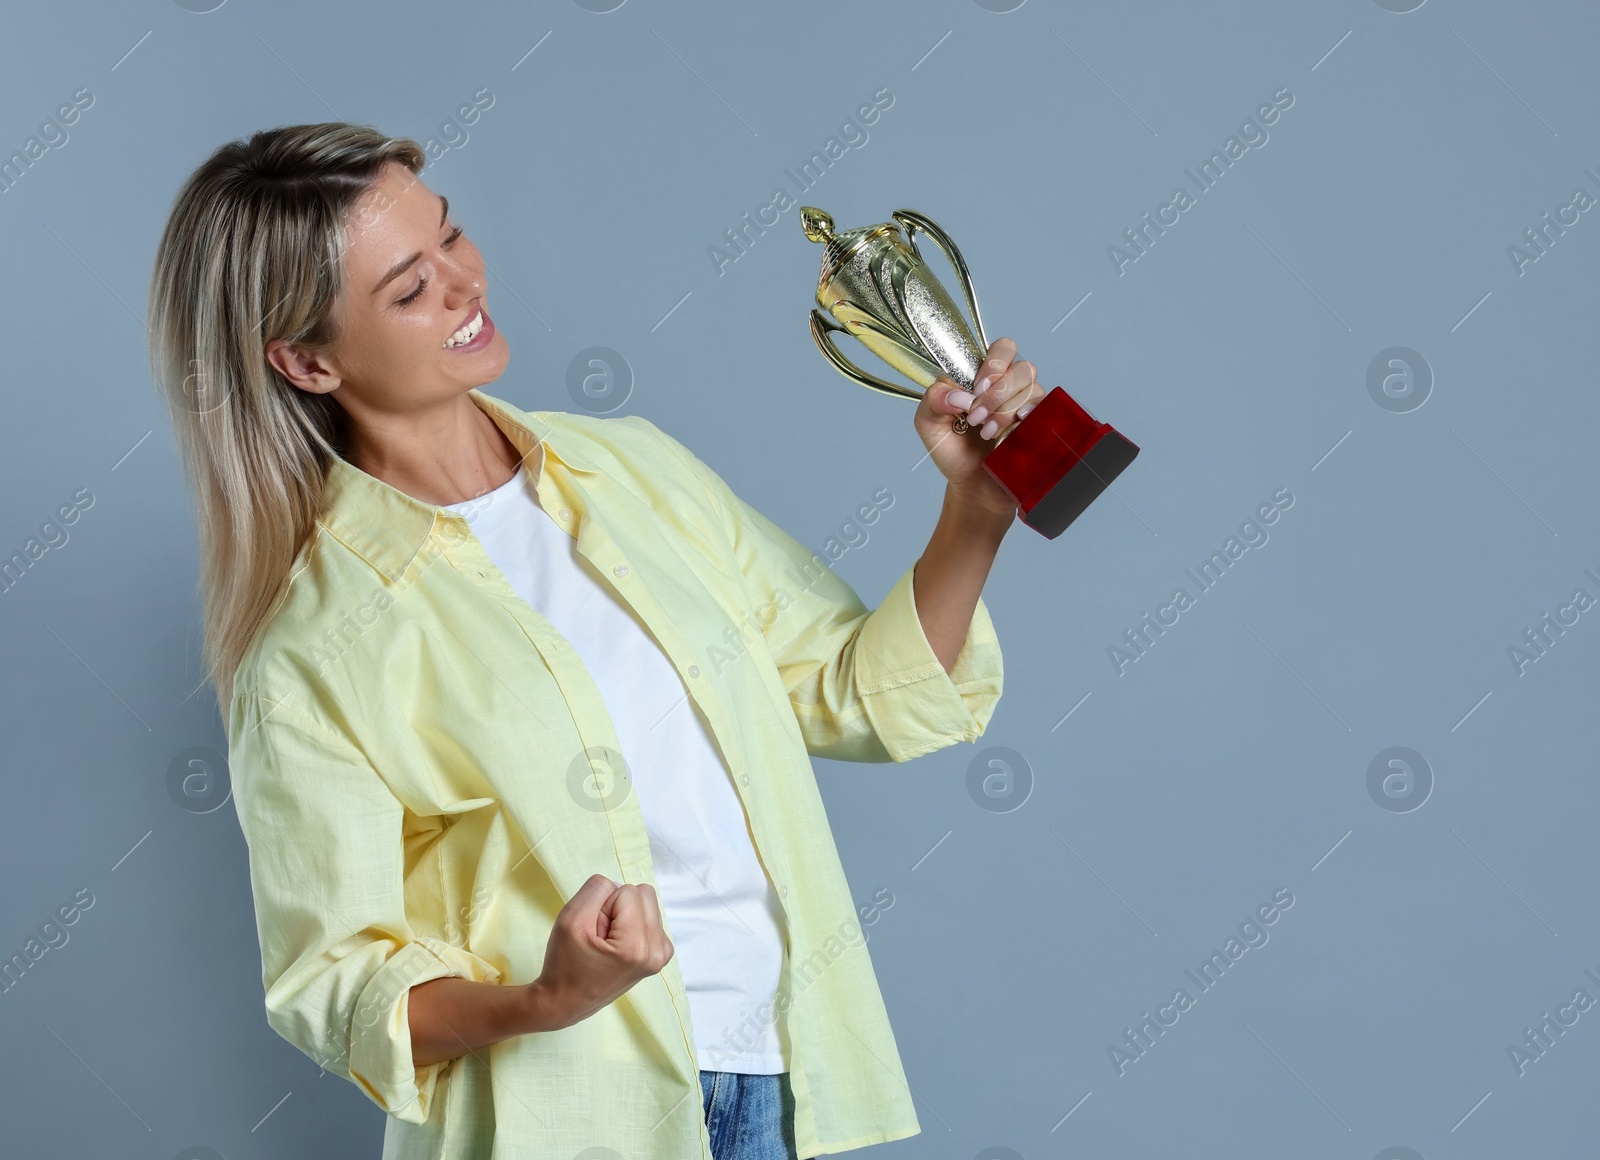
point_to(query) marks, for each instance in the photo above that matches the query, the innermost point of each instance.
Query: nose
(466, 276)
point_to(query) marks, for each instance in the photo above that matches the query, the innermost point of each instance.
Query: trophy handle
(821, 330)
(914, 221)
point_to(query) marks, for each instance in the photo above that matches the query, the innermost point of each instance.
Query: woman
(436, 623)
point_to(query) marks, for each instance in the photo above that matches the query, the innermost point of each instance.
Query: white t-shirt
(720, 908)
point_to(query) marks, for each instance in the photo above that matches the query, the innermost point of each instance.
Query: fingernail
(977, 414)
(990, 428)
(962, 399)
(981, 385)
(1023, 414)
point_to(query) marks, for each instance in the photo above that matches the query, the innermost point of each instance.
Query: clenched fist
(1003, 393)
(605, 940)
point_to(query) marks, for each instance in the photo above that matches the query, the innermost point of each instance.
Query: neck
(442, 455)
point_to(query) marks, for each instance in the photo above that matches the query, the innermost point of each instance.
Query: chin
(490, 375)
(490, 365)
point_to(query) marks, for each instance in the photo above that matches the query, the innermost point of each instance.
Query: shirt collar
(386, 527)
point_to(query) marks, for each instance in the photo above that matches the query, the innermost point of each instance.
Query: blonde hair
(251, 253)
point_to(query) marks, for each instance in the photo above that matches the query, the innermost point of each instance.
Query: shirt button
(783, 891)
(621, 569)
(565, 514)
(694, 670)
(744, 779)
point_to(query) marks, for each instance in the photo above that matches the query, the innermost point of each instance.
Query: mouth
(473, 335)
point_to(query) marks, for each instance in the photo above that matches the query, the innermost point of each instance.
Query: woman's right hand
(605, 940)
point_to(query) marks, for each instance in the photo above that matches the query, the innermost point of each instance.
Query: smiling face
(413, 329)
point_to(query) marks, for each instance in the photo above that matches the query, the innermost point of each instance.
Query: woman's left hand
(1011, 393)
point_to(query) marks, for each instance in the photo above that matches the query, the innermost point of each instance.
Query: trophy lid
(838, 245)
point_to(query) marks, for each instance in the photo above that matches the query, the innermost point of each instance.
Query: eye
(422, 285)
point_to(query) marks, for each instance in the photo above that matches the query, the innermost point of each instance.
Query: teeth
(467, 333)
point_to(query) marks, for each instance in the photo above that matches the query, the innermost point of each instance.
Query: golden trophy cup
(874, 285)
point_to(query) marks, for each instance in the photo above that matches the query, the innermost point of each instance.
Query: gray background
(1177, 797)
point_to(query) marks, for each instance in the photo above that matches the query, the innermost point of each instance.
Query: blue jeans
(748, 1117)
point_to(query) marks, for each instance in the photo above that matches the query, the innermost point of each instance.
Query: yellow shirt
(424, 773)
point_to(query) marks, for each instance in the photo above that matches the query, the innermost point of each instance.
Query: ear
(304, 368)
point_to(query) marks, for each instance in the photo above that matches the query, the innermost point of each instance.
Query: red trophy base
(1056, 461)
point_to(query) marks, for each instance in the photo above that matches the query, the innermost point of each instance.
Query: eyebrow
(404, 264)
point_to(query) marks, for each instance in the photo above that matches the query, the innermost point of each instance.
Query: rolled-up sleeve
(864, 685)
(338, 956)
(914, 705)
